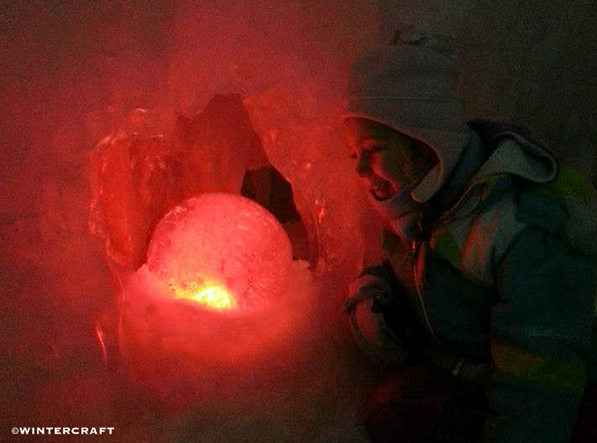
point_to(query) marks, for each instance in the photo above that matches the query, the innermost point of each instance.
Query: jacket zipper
(415, 247)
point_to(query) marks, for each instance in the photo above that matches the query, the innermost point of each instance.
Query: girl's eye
(375, 148)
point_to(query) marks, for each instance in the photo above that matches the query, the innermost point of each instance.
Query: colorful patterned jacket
(506, 274)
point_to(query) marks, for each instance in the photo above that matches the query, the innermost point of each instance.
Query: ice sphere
(222, 250)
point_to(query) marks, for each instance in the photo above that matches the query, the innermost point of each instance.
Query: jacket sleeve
(540, 337)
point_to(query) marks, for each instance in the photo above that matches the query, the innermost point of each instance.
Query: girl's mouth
(383, 191)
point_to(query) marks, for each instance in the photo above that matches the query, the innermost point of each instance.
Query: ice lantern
(221, 252)
(214, 300)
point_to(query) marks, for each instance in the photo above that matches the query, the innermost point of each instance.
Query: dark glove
(368, 297)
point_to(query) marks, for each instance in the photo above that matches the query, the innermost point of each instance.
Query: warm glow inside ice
(215, 297)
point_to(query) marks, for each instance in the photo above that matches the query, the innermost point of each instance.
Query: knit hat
(410, 86)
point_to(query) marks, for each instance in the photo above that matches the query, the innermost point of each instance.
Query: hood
(411, 87)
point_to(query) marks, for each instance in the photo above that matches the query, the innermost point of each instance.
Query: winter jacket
(504, 274)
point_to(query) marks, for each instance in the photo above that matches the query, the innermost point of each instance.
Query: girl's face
(386, 161)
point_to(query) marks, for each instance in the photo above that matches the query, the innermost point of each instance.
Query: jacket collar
(493, 156)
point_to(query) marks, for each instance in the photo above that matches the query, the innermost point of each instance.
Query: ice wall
(73, 71)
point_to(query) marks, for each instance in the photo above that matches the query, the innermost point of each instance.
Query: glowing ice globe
(221, 252)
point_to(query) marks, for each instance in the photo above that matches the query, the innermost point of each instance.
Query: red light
(223, 252)
(220, 298)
